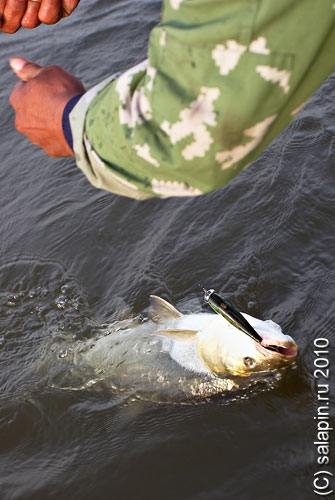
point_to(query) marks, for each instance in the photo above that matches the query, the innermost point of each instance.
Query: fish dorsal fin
(181, 335)
(162, 311)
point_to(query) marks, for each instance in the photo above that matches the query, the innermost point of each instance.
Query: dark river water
(73, 258)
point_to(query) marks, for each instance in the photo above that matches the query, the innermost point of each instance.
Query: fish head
(225, 349)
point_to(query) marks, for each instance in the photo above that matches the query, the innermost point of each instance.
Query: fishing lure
(231, 314)
(222, 306)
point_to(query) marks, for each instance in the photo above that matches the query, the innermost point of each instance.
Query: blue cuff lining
(66, 118)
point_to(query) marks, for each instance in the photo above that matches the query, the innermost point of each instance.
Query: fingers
(30, 19)
(68, 7)
(50, 11)
(25, 70)
(13, 11)
(17, 13)
(2, 8)
(30, 13)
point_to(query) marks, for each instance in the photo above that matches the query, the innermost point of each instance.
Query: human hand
(39, 100)
(31, 13)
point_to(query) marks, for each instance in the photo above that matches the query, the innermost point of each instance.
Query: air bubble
(12, 298)
(65, 289)
(61, 301)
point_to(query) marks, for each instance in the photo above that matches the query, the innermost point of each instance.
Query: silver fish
(173, 355)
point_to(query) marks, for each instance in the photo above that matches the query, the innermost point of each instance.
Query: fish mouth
(289, 351)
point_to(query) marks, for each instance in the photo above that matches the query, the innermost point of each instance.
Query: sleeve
(222, 79)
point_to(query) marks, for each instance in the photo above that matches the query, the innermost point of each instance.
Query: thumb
(24, 69)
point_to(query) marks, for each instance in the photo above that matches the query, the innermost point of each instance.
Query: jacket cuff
(66, 119)
(77, 118)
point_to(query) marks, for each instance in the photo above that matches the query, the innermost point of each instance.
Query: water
(73, 258)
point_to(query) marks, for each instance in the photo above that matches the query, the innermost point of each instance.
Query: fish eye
(249, 362)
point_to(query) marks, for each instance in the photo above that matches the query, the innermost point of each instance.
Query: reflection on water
(74, 258)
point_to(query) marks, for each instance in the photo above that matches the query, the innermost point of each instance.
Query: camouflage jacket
(222, 79)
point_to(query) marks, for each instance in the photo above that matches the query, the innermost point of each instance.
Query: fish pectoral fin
(161, 310)
(181, 335)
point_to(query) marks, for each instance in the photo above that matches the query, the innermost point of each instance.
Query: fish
(173, 356)
(221, 347)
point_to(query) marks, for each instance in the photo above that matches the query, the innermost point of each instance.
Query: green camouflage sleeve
(222, 79)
